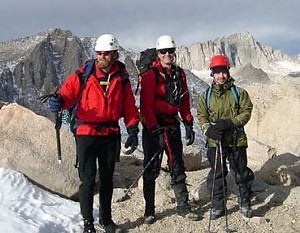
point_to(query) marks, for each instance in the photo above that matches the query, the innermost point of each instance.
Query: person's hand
(132, 141)
(189, 133)
(159, 132)
(224, 124)
(55, 103)
(214, 133)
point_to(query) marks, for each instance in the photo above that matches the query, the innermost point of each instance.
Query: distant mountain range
(37, 65)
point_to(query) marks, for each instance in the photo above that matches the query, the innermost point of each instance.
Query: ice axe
(58, 123)
(126, 196)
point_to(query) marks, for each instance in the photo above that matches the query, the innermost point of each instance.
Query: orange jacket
(99, 106)
(152, 103)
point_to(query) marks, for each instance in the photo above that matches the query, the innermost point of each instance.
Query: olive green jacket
(223, 106)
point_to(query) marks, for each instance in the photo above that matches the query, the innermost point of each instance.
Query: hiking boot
(149, 219)
(113, 228)
(217, 213)
(100, 227)
(190, 215)
(88, 226)
(246, 211)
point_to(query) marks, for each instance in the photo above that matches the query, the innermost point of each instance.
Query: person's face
(220, 75)
(105, 58)
(166, 56)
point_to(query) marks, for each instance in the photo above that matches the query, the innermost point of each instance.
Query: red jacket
(98, 106)
(153, 90)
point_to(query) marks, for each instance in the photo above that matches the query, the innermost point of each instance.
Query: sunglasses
(105, 53)
(164, 51)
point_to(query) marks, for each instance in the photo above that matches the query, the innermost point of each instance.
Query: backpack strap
(179, 71)
(207, 95)
(88, 69)
(124, 75)
(174, 80)
(236, 94)
(156, 72)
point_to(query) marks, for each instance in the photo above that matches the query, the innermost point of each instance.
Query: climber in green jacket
(223, 111)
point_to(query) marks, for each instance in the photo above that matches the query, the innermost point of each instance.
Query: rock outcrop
(28, 145)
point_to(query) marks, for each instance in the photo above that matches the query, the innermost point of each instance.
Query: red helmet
(219, 60)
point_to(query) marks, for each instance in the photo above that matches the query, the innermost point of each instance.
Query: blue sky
(138, 23)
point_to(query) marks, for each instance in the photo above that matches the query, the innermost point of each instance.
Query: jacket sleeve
(185, 110)
(130, 111)
(245, 109)
(70, 90)
(147, 99)
(203, 114)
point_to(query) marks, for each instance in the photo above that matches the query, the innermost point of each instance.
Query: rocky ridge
(37, 65)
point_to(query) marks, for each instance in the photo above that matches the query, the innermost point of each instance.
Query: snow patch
(285, 67)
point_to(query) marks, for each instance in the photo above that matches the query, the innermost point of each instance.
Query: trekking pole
(213, 187)
(58, 122)
(190, 88)
(224, 193)
(123, 198)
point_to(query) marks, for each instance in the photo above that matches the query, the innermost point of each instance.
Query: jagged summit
(37, 65)
(241, 48)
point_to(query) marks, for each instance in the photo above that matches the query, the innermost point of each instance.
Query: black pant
(174, 152)
(105, 149)
(243, 175)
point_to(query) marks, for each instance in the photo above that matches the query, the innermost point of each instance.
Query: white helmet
(106, 42)
(165, 42)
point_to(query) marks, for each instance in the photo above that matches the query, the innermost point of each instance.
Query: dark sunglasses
(105, 53)
(164, 51)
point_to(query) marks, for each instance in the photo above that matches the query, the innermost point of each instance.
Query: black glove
(132, 141)
(55, 103)
(159, 132)
(224, 124)
(214, 133)
(189, 133)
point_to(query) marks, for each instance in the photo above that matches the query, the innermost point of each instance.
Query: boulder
(282, 170)
(28, 145)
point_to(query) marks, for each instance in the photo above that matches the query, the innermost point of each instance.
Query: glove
(189, 133)
(224, 124)
(132, 141)
(159, 132)
(214, 133)
(55, 103)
